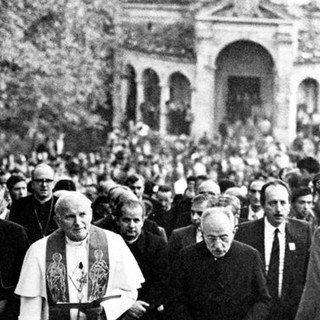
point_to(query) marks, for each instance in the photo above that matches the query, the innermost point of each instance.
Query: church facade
(186, 66)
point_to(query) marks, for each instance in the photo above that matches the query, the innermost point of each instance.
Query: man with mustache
(284, 246)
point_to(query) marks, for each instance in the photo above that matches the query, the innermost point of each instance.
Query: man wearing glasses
(218, 278)
(35, 212)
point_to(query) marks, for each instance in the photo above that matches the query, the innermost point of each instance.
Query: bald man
(218, 278)
(35, 212)
(78, 263)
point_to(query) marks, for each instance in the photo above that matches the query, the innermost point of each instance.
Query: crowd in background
(141, 184)
(238, 152)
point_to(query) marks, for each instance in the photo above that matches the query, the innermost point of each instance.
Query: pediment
(255, 9)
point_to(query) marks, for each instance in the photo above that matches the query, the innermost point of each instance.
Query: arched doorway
(131, 103)
(150, 108)
(244, 83)
(179, 107)
(308, 116)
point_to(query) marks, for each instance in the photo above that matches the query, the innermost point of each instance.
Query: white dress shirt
(199, 236)
(268, 241)
(255, 215)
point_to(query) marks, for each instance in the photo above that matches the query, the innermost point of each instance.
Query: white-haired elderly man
(218, 278)
(79, 263)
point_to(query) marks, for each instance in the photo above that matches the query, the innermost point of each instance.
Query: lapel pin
(292, 246)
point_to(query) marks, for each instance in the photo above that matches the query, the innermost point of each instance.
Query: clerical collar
(77, 243)
(131, 241)
(42, 202)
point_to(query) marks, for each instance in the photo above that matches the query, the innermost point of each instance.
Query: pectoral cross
(81, 279)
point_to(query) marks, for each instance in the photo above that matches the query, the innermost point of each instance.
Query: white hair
(66, 198)
(218, 210)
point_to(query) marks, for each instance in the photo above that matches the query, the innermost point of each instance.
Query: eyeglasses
(135, 188)
(254, 191)
(43, 180)
(199, 213)
(211, 193)
(212, 239)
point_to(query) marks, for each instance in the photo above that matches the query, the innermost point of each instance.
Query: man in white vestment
(79, 263)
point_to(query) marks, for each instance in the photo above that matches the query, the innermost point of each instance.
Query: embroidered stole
(57, 273)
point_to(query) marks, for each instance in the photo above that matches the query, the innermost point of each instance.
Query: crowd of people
(160, 229)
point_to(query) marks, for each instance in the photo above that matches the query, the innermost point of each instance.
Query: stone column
(124, 92)
(165, 96)
(140, 96)
(203, 105)
(118, 112)
(284, 112)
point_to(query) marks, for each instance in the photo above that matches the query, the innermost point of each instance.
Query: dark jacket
(203, 287)
(30, 214)
(13, 246)
(295, 262)
(151, 255)
(164, 219)
(181, 238)
(110, 224)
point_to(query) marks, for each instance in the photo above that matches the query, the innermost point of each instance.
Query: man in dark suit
(191, 234)
(293, 238)
(183, 237)
(309, 308)
(218, 278)
(35, 212)
(150, 252)
(254, 210)
(162, 212)
(13, 246)
(182, 209)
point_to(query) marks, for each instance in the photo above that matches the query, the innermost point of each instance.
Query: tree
(55, 67)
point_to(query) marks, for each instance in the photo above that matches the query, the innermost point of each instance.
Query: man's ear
(235, 229)
(117, 221)
(57, 220)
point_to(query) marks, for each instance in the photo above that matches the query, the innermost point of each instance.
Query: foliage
(176, 39)
(55, 65)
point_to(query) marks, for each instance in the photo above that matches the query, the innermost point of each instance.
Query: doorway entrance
(243, 99)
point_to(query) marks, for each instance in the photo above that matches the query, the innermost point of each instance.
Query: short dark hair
(300, 192)
(102, 198)
(165, 188)
(133, 178)
(191, 178)
(310, 164)
(225, 184)
(65, 184)
(14, 179)
(275, 183)
(131, 204)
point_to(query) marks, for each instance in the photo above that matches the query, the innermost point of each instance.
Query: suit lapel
(260, 238)
(289, 256)
(190, 236)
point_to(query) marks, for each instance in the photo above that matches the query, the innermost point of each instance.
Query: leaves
(171, 39)
(55, 63)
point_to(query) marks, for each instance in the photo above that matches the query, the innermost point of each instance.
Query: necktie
(273, 272)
